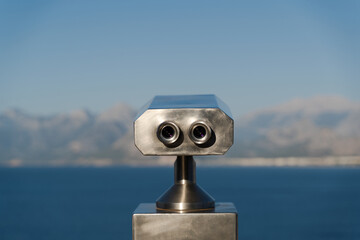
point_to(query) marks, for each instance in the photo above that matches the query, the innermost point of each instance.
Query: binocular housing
(184, 125)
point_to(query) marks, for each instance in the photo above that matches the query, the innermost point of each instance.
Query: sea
(97, 203)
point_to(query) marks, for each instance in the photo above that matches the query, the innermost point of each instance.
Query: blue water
(91, 203)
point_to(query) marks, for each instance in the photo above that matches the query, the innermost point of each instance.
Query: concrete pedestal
(151, 224)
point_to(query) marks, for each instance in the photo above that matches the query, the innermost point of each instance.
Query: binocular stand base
(149, 223)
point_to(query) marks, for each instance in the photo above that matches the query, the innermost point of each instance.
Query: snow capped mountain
(319, 126)
(314, 127)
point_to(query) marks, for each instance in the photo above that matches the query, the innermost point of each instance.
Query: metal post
(185, 170)
(185, 195)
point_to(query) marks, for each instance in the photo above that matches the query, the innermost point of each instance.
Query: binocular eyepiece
(169, 133)
(200, 133)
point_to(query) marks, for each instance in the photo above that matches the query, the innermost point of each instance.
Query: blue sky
(58, 56)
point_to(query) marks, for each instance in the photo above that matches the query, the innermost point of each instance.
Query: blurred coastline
(330, 161)
(344, 161)
(318, 131)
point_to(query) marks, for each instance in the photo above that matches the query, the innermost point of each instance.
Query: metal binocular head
(184, 125)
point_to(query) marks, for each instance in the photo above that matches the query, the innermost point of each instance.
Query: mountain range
(313, 127)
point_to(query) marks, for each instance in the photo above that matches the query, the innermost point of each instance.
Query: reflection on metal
(184, 126)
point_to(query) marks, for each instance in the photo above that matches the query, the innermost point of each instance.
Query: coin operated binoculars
(184, 126)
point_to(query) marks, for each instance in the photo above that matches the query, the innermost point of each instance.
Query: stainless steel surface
(185, 195)
(151, 224)
(184, 111)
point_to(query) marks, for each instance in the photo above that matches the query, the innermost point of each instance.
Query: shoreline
(330, 161)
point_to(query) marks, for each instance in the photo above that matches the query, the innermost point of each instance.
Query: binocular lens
(168, 132)
(199, 132)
